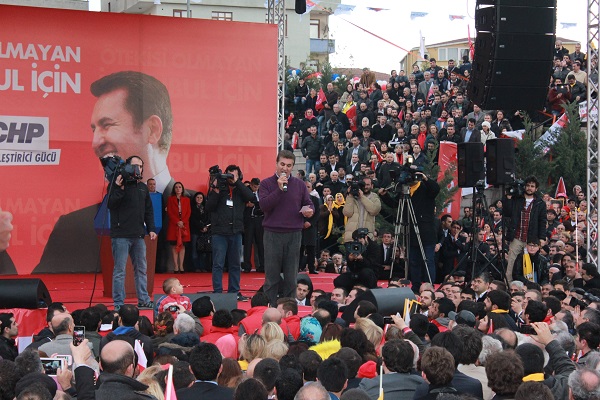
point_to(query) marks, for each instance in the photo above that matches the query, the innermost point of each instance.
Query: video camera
(216, 173)
(356, 247)
(355, 186)
(406, 173)
(114, 166)
(516, 188)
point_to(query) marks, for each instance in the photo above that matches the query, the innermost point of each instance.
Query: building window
(181, 13)
(315, 29)
(222, 16)
(452, 53)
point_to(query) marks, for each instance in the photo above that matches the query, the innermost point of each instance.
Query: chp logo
(25, 141)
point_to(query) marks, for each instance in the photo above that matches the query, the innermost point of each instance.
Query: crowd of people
(478, 339)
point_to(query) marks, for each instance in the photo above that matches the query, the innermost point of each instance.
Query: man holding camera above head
(527, 213)
(131, 214)
(226, 201)
(363, 267)
(362, 206)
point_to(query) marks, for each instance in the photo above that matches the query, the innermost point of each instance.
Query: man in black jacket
(128, 318)
(205, 362)
(9, 330)
(226, 208)
(527, 223)
(117, 380)
(312, 148)
(131, 213)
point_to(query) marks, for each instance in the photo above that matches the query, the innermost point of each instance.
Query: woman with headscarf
(327, 222)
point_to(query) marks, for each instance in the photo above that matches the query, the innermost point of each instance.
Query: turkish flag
(351, 114)
(320, 100)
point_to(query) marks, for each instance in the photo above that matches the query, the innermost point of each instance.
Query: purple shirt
(282, 209)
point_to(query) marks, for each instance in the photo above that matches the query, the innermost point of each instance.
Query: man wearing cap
(527, 215)
(531, 266)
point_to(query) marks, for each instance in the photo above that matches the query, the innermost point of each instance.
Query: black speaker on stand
(470, 164)
(513, 53)
(300, 6)
(24, 293)
(500, 162)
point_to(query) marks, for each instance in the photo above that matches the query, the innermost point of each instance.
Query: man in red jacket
(289, 313)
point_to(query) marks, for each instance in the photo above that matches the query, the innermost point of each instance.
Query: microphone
(284, 183)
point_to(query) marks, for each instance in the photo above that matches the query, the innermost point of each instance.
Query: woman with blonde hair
(276, 349)
(251, 347)
(372, 331)
(147, 377)
(271, 331)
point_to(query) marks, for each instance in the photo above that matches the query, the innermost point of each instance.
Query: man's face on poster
(114, 129)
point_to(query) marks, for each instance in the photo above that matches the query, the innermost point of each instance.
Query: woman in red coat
(178, 231)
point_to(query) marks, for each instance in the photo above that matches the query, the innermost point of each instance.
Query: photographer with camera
(362, 254)
(527, 224)
(559, 95)
(226, 201)
(131, 213)
(362, 206)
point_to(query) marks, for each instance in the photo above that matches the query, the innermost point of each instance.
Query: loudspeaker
(388, 302)
(24, 293)
(300, 6)
(222, 301)
(500, 161)
(470, 164)
(503, 97)
(516, 19)
(513, 53)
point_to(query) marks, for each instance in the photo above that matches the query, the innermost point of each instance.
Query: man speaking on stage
(285, 202)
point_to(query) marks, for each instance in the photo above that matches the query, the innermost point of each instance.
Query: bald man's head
(62, 323)
(117, 357)
(271, 315)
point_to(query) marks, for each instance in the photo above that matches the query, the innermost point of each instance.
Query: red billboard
(219, 108)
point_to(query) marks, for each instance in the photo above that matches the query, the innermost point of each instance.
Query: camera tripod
(480, 203)
(402, 231)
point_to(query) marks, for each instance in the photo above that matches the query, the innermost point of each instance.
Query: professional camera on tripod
(222, 179)
(405, 174)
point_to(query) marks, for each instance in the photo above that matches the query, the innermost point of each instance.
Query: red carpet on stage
(75, 290)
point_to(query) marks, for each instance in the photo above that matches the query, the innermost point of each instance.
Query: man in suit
(120, 128)
(205, 362)
(386, 254)
(354, 165)
(425, 85)
(470, 134)
(356, 148)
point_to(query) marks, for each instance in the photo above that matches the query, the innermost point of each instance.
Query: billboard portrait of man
(132, 116)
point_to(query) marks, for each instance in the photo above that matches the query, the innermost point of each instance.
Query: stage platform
(80, 290)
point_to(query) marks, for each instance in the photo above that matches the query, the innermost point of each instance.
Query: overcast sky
(358, 49)
(355, 48)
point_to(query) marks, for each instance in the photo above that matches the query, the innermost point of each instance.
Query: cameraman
(361, 210)
(226, 201)
(422, 195)
(362, 255)
(527, 213)
(130, 208)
